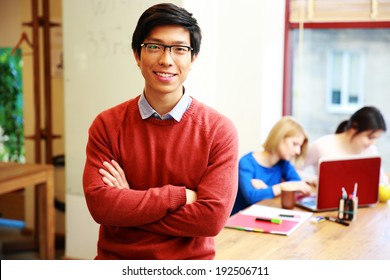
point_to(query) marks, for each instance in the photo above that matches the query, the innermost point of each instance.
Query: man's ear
(193, 60)
(137, 58)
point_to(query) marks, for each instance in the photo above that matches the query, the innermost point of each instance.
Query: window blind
(339, 10)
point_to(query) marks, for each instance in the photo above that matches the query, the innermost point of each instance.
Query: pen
(251, 229)
(337, 221)
(255, 230)
(270, 220)
(288, 216)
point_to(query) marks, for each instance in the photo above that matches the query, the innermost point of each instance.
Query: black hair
(166, 14)
(365, 119)
(343, 126)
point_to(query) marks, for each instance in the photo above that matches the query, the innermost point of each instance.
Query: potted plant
(11, 107)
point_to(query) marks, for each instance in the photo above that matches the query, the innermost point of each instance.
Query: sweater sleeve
(312, 156)
(246, 174)
(121, 207)
(216, 191)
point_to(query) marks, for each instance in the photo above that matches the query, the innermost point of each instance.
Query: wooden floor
(15, 236)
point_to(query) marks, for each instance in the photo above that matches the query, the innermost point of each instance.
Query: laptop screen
(338, 173)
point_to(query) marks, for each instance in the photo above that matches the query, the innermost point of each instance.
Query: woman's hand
(258, 184)
(114, 176)
(305, 188)
(300, 186)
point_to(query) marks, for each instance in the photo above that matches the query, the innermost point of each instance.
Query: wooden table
(366, 238)
(14, 176)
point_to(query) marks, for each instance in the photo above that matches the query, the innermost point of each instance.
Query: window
(336, 60)
(345, 79)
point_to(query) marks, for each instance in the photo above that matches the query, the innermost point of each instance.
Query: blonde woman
(262, 174)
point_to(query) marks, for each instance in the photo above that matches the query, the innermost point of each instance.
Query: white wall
(239, 72)
(240, 66)
(10, 22)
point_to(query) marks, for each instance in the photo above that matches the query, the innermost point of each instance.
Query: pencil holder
(348, 208)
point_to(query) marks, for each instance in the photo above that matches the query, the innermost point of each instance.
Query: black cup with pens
(348, 205)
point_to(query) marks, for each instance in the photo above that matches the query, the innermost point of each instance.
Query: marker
(317, 219)
(355, 190)
(344, 193)
(270, 220)
(288, 216)
(341, 222)
(341, 208)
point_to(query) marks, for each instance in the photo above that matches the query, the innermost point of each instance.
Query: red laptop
(337, 173)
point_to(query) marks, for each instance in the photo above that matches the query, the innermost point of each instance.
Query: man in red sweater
(161, 171)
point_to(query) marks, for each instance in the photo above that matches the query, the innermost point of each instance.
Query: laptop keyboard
(309, 201)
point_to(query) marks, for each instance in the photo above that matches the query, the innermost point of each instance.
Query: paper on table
(246, 220)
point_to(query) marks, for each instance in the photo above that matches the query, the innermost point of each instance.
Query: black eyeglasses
(153, 48)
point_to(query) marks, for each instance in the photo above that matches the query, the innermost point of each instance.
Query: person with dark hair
(367, 119)
(342, 127)
(263, 174)
(356, 136)
(161, 170)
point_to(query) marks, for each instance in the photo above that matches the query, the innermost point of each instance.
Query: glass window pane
(354, 82)
(343, 68)
(336, 97)
(336, 76)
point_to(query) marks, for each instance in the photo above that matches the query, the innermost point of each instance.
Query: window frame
(288, 50)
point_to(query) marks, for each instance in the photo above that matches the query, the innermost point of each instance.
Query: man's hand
(114, 176)
(191, 196)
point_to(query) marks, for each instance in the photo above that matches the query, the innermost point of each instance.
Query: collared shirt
(176, 113)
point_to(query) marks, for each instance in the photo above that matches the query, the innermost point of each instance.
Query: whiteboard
(99, 69)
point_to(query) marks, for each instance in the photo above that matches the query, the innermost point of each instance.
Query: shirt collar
(176, 113)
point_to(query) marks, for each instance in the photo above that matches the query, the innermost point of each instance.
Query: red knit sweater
(161, 158)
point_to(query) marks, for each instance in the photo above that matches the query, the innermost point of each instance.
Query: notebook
(246, 220)
(336, 173)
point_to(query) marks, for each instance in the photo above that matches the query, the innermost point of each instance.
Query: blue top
(250, 169)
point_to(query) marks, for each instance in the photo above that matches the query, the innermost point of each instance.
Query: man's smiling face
(166, 72)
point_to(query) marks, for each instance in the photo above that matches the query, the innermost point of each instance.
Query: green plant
(11, 107)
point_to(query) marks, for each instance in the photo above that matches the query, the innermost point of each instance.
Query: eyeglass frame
(189, 48)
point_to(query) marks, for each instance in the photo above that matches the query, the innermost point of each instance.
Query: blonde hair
(287, 126)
